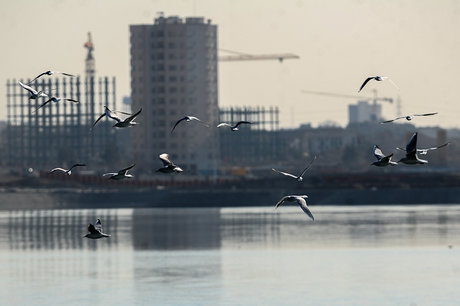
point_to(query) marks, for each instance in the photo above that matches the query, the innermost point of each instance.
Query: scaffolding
(254, 143)
(58, 133)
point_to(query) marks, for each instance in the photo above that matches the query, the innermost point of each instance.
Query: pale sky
(340, 42)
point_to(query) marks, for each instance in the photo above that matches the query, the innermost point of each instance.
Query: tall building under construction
(174, 74)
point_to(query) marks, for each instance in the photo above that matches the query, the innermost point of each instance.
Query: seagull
(425, 150)
(95, 231)
(51, 72)
(120, 174)
(128, 122)
(411, 153)
(300, 199)
(66, 171)
(297, 177)
(34, 94)
(382, 160)
(56, 100)
(188, 119)
(408, 118)
(168, 165)
(377, 78)
(235, 127)
(111, 114)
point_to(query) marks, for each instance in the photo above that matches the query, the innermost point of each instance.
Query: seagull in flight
(50, 72)
(235, 127)
(188, 119)
(300, 199)
(111, 114)
(377, 78)
(168, 165)
(95, 231)
(56, 100)
(425, 150)
(408, 118)
(411, 153)
(122, 174)
(128, 122)
(34, 94)
(297, 177)
(66, 171)
(382, 160)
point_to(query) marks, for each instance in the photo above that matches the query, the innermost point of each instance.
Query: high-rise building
(363, 111)
(174, 74)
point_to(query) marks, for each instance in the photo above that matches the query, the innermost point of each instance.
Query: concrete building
(174, 74)
(363, 111)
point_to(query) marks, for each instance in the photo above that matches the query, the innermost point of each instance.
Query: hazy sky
(340, 43)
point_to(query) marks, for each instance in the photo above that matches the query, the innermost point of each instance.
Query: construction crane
(90, 62)
(240, 56)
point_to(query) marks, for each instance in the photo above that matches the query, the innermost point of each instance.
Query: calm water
(393, 255)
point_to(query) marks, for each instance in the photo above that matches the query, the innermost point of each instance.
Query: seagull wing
(165, 159)
(303, 204)
(241, 122)
(280, 201)
(77, 165)
(412, 144)
(378, 152)
(123, 171)
(98, 225)
(365, 82)
(223, 124)
(43, 104)
(71, 100)
(92, 229)
(427, 114)
(131, 118)
(199, 120)
(308, 167)
(387, 121)
(100, 117)
(433, 148)
(67, 74)
(57, 169)
(41, 74)
(28, 88)
(110, 173)
(179, 121)
(387, 158)
(285, 173)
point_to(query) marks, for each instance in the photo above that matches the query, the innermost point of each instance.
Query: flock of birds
(96, 232)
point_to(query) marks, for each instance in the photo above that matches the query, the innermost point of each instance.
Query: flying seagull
(168, 165)
(56, 100)
(425, 150)
(51, 72)
(297, 177)
(66, 171)
(111, 114)
(408, 118)
(235, 127)
(300, 199)
(411, 153)
(382, 160)
(128, 122)
(34, 94)
(120, 174)
(188, 119)
(377, 78)
(95, 231)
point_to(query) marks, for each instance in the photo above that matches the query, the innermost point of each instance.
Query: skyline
(339, 45)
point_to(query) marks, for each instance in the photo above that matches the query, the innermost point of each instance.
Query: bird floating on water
(128, 122)
(234, 127)
(297, 177)
(50, 72)
(95, 231)
(56, 100)
(408, 118)
(66, 171)
(34, 94)
(377, 78)
(122, 174)
(411, 153)
(168, 165)
(188, 119)
(300, 199)
(382, 160)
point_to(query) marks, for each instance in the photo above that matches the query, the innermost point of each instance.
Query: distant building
(173, 74)
(363, 111)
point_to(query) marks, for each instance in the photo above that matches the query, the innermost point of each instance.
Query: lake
(350, 255)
